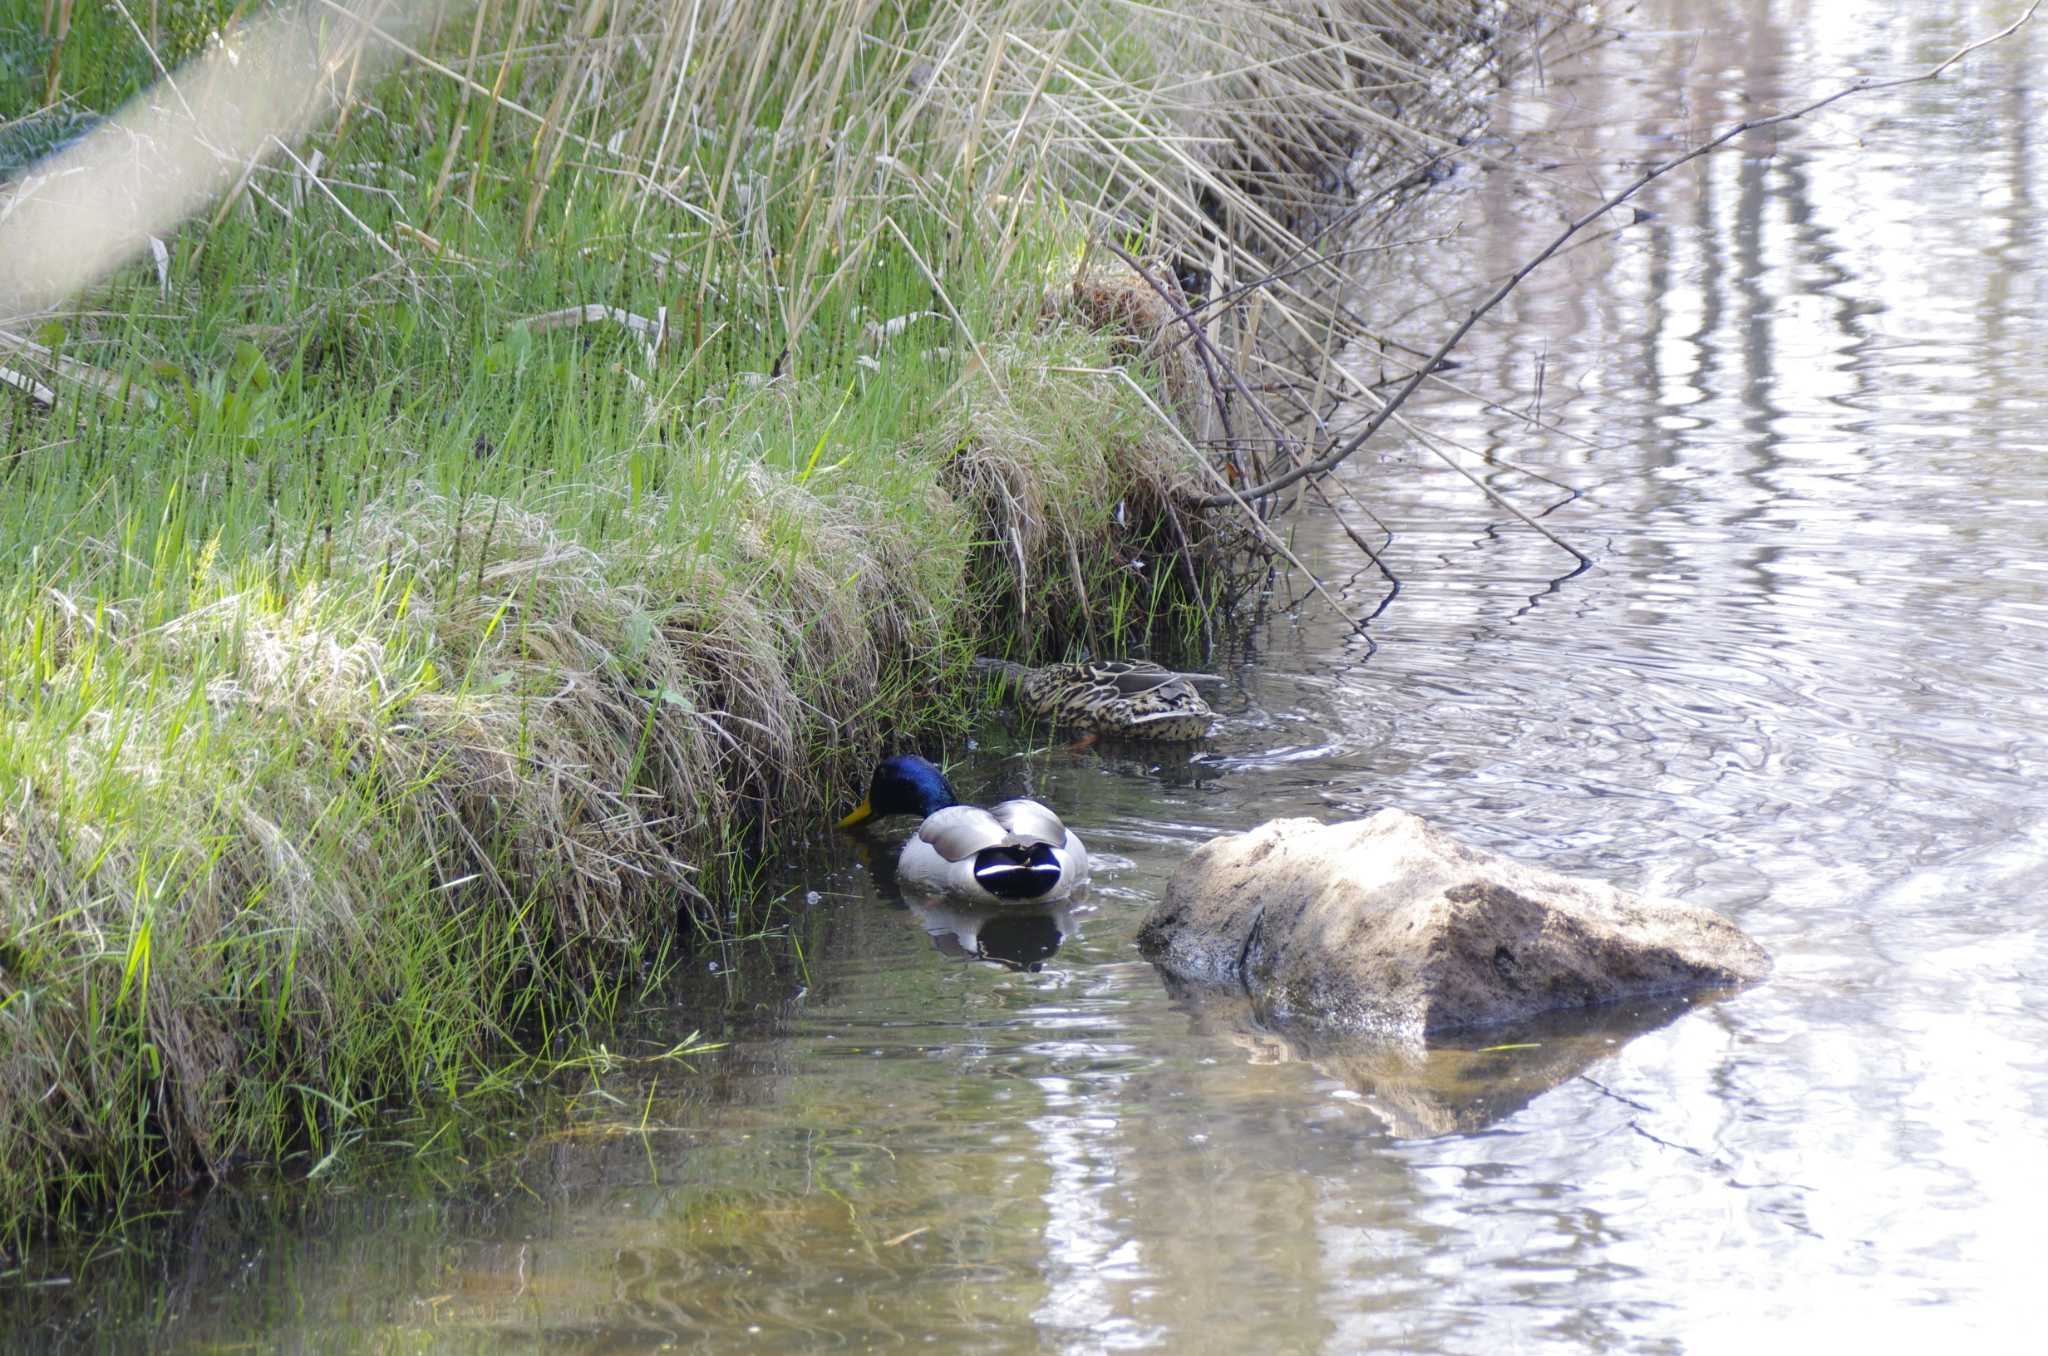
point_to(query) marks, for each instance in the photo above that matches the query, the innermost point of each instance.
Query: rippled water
(1805, 404)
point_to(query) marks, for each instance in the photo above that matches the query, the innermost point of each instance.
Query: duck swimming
(1121, 698)
(1017, 852)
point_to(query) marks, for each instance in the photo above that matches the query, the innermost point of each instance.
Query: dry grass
(1069, 482)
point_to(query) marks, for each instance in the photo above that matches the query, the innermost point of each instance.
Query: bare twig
(1245, 499)
(1337, 455)
(1259, 525)
(438, 247)
(1496, 496)
(28, 386)
(590, 314)
(156, 61)
(75, 370)
(317, 182)
(1213, 359)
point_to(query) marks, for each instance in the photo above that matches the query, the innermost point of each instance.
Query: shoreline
(436, 572)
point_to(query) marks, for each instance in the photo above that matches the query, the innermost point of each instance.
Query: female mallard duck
(1122, 698)
(1017, 852)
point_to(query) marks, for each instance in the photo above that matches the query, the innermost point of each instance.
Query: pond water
(1805, 405)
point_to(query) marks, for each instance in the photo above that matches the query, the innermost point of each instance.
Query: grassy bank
(427, 574)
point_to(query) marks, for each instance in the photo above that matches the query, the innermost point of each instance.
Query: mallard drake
(1122, 698)
(1017, 852)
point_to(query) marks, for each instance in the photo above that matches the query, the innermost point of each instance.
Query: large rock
(1387, 925)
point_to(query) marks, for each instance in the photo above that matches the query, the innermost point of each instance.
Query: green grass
(397, 675)
(389, 667)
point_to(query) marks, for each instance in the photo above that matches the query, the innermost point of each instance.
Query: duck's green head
(904, 785)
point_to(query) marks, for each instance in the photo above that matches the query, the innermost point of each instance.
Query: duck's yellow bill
(860, 812)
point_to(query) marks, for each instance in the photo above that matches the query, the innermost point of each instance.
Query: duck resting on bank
(1121, 698)
(1017, 852)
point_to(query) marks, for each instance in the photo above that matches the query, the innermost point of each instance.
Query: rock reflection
(1456, 1084)
(1017, 938)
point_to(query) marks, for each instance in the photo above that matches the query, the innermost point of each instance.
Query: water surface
(1805, 682)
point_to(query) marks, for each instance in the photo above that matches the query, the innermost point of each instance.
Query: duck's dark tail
(1017, 872)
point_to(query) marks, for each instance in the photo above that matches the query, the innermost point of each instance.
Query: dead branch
(28, 386)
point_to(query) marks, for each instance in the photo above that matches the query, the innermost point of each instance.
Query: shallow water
(1805, 682)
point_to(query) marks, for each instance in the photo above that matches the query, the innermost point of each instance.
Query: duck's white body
(1015, 853)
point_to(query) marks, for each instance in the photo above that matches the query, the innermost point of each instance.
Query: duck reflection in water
(1006, 935)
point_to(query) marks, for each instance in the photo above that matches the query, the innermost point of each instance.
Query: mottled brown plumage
(1121, 698)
